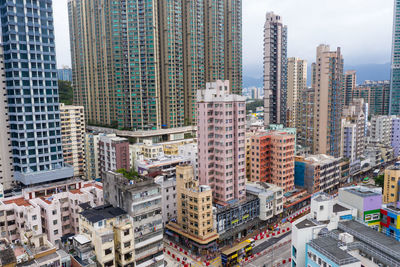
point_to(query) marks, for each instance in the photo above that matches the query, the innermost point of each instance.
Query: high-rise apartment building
(32, 91)
(296, 84)
(65, 74)
(327, 80)
(381, 129)
(6, 162)
(353, 130)
(376, 94)
(149, 66)
(73, 137)
(272, 159)
(221, 123)
(349, 85)
(275, 70)
(394, 106)
(305, 118)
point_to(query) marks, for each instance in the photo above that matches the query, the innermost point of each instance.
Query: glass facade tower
(32, 90)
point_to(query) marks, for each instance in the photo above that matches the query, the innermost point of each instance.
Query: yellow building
(391, 186)
(195, 216)
(73, 137)
(111, 234)
(171, 149)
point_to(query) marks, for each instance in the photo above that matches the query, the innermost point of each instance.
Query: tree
(380, 180)
(254, 104)
(66, 92)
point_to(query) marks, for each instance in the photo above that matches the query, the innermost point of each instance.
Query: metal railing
(369, 240)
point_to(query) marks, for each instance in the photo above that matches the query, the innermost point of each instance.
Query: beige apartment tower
(194, 208)
(296, 84)
(73, 137)
(327, 82)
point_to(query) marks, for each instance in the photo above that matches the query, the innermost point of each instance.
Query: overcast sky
(363, 28)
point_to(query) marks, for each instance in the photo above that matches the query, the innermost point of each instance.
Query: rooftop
(321, 197)
(361, 192)
(102, 213)
(81, 239)
(18, 201)
(339, 208)
(372, 237)
(330, 248)
(322, 158)
(305, 224)
(161, 160)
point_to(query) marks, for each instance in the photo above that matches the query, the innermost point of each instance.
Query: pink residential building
(51, 209)
(221, 141)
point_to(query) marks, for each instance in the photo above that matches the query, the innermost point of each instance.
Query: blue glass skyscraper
(32, 90)
(394, 106)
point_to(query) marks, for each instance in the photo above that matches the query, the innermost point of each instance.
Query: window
(54, 222)
(54, 212)
(126, 232)
(108, 251)
(127, 244)
(56, 232)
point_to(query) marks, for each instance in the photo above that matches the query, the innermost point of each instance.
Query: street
(277, 255)
(276, 250)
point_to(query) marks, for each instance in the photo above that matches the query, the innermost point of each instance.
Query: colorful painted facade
(390, 221)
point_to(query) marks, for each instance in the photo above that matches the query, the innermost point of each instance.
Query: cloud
(362, 28)
(61, 31)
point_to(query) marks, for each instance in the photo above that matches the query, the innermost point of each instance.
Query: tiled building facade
(221, 141)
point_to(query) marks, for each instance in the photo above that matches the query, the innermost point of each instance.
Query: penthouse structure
(221, 141)
(272, 156)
